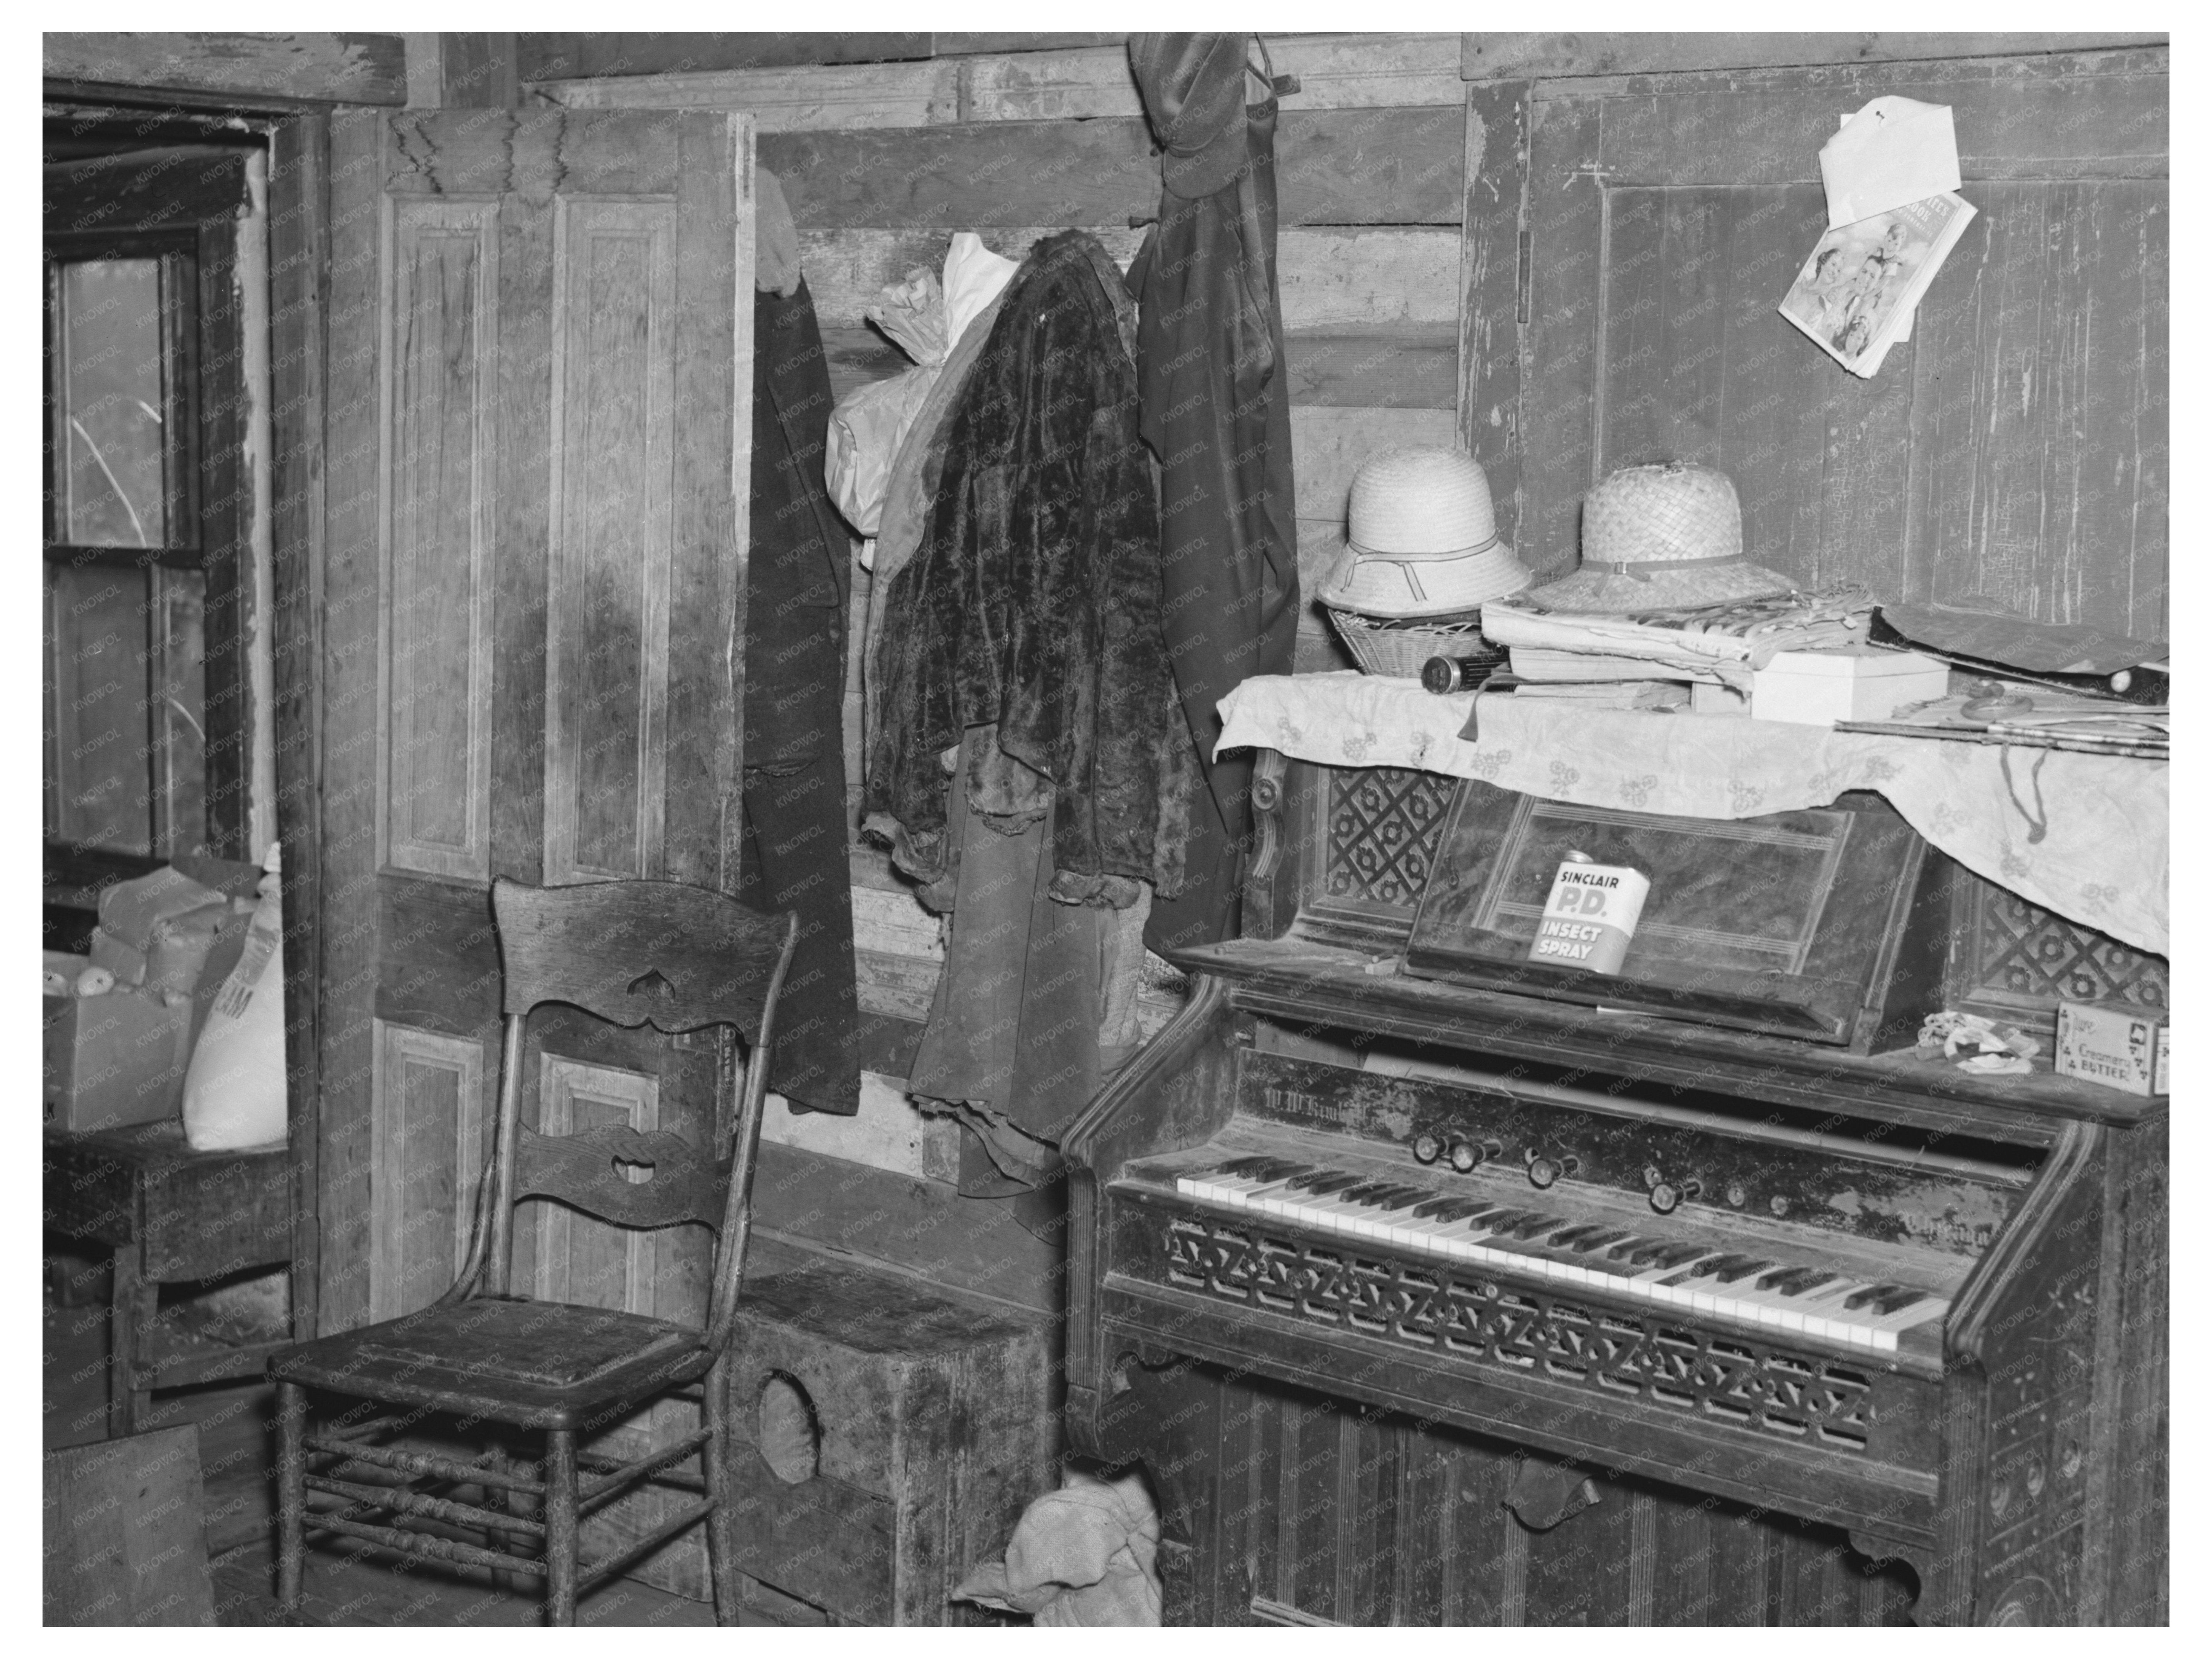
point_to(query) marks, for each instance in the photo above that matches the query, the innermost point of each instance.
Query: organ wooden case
(1453, 1301)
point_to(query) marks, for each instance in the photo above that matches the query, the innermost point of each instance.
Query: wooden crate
(888, 1437)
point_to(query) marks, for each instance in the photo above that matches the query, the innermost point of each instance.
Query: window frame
(186, 214)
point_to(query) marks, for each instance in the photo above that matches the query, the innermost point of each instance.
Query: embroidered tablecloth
(2084, 835)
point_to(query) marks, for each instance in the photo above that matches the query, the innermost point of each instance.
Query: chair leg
(514, 1580)
(291, 1492)
(560, 1526)
(715, 1462)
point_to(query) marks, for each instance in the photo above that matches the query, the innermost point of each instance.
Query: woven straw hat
(1662, 537)
(1424, 539)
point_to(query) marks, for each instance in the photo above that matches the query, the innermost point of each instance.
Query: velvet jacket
(1034, 601)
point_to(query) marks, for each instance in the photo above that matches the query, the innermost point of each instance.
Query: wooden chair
(629, 952)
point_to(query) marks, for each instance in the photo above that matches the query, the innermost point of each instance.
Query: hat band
(1446, 553)
(1633, 569)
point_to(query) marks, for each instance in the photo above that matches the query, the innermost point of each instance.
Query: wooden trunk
(889, 1439)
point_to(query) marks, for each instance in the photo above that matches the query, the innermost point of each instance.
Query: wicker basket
(1397, 649)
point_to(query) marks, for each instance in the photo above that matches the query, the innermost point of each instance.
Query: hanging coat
(1217, 412)
(1033, 602)
(797, 585)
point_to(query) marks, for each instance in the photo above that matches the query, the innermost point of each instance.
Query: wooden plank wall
(2015, 449)
(881, 161)
(353, 69)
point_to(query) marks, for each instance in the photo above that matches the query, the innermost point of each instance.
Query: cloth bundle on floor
(1082, 1555)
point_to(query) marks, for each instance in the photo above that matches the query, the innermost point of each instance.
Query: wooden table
(170, 1216)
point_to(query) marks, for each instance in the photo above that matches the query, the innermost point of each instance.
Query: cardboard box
(114, 1060)
(1851, 683)
(2113, 1043)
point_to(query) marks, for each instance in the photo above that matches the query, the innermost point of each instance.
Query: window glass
(110, 427)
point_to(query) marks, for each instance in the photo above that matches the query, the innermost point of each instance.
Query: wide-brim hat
(1423, 539)
(1664, 538)
(1192, 86)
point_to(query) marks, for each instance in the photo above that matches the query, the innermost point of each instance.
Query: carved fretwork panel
(2014, 960)
(1749, 1384)
(2041, 1361)
(1369, 841)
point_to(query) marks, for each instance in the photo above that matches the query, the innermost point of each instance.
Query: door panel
(540, 324)
(441, 401)
(607, 653)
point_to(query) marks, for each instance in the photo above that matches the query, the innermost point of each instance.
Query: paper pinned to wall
(1894, 151)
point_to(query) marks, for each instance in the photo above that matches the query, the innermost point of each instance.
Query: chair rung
(588, 1576)
(414, 1463)
(425, 1544)
(362, 1429)
(625, 1475)
(368, 1498)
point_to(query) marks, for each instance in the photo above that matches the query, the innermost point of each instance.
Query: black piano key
(1536, 1226)
(1248, 1168)
(1595, 1241)
(1676, 1255)
(1454, 1209)
(1896, 1298)
(1405, 1196)
(1511, 1223)
(1573, 1236)
(1364, 1192)
(1322, 1186)
(1636, 1252)
(1699, 1268)
(1794, 1281)
(1864, 1295)
(1735, 1267)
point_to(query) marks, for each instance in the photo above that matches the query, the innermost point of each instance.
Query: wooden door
(2014, 448)
(540, 335)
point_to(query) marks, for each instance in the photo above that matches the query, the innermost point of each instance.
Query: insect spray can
(1590, 916)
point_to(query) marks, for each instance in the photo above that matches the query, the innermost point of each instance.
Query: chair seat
(535, 1363)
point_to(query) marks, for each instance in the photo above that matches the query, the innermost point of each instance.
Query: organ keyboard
(1876, 1295)
(1708, 1276)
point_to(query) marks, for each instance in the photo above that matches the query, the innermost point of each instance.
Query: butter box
(2120, 1046)
(113, 1059)
(1850, 682)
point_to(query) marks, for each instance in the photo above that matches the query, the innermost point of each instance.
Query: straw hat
(1424, 539)
(1662, 537)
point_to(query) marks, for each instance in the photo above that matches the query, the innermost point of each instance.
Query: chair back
(632, 953)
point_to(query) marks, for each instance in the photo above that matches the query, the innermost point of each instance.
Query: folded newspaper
(1855, 296)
